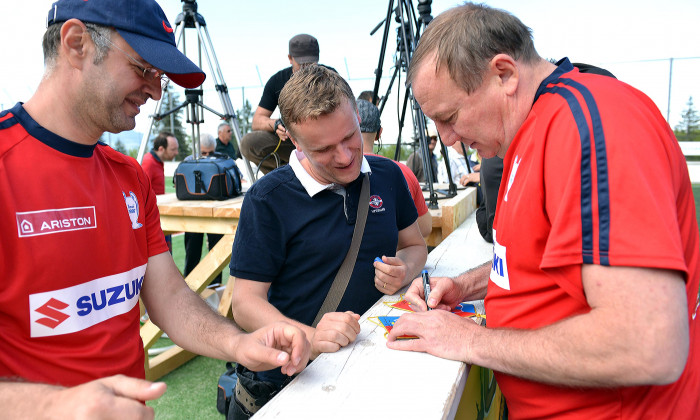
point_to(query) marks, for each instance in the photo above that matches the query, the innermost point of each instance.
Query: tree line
(688, 129)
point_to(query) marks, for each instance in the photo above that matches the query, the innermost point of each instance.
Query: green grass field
(191, 390)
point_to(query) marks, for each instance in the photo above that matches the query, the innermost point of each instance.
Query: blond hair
(311, 92)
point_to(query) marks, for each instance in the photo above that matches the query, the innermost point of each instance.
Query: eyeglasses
(148, 73)
(207, 153)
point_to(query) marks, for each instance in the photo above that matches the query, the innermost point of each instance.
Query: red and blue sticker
(375, 202)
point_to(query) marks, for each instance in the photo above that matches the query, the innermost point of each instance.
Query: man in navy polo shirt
(297, 222)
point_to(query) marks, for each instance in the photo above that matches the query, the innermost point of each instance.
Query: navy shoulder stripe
(8, 123)
(602, 186)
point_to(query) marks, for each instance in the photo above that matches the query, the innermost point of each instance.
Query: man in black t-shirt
(267, 145)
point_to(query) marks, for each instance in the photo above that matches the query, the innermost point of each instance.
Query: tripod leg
(382, 52)
(222, 91)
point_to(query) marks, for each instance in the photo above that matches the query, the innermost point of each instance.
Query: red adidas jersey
(594, 176)
(80, 223)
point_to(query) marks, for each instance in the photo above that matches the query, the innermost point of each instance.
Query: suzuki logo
(54, 317)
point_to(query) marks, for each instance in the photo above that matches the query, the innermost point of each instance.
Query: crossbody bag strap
(342, 278)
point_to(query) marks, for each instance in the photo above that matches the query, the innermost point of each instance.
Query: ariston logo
(51, 310)
(44, 222)
(167, 28)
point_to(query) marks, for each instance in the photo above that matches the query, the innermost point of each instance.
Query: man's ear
(76, 43)
(379, 133)
(506, 69)
(294, 141)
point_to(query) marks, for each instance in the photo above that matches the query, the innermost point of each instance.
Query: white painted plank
(367, 379)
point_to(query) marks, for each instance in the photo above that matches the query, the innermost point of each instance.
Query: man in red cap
(87, 241)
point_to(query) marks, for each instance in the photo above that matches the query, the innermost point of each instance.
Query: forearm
(579, 351)
(474, 281)
(263, 123)
(195, 327)
(23, 400)
(253, 312)
(414, 257)
(116, 396)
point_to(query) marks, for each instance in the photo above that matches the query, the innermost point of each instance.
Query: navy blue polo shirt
(297, 242)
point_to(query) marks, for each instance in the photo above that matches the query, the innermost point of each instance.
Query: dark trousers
(257, 147)
(193, 251)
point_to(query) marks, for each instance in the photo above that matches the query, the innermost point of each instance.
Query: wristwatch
(278, 123)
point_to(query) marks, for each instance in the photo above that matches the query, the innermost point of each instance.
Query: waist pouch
(208, 178)
(250, 394)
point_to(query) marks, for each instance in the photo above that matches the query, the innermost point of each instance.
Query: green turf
(191, 390)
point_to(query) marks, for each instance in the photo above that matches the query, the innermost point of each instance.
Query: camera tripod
(408, 33)
(189, 18)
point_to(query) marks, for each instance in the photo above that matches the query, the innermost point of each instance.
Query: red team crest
(375, 202)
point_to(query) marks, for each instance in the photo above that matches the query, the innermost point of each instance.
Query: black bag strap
(342, 278)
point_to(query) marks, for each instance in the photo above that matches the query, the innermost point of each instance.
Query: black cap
(304, 49)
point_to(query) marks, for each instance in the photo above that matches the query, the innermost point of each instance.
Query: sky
(632, 38)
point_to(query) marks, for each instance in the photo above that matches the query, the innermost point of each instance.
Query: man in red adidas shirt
(592, 295)
(81, 237)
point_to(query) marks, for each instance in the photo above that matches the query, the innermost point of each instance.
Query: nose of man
(343, 155)
(447, 136)
(154, 89)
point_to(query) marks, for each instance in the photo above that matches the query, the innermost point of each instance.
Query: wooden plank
(232, 211)
(463, 249)
(456, 210)
(170, 223)
(435, 236)
(368, 380)
(168, 204)
(166, 362)
(211, 265)
(225, 308)
(150, 333)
